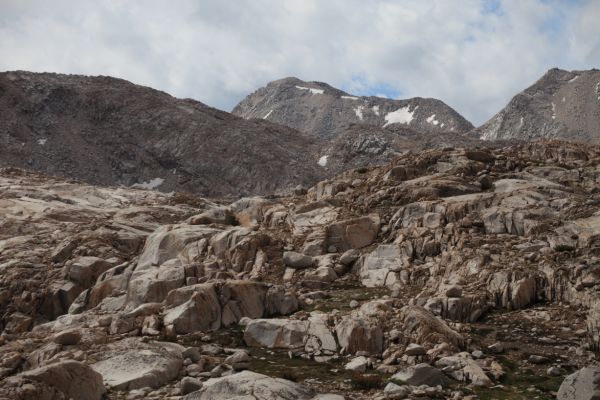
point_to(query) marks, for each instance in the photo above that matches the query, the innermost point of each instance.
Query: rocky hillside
(363, 145)
(562, 104)
(109, 131)
(319, 109)
(452, 273)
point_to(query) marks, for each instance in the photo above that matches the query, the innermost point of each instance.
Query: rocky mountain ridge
(561, 104)
(319, 109)
(451, 273)
(108, 131)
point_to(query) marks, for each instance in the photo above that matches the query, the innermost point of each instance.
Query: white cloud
(217, 51)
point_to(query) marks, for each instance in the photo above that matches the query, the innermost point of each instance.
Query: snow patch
(267, 116)
(402, 115)
(350, 97)
(432, 120)
(574, 79)
(322, 161)
(42, 141)
(553, 111)
(376, 110)
(564, 99)
(359, 112)
(150, 185)
(312, 90)
(521, 122)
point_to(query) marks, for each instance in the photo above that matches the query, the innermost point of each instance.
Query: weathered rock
(297, 260)
(85, 270)
(239, 360)
(354, 233)
(70, 378)
(381, 267)
(422, 374)
(189, 385)
(422, 327)
(275, 333)
(581, 385)
(463, 368)
(202, 312)
(414, 349)
(250, 386)
(360, 334)
(147, 366)
(67, 337)
(358, 364)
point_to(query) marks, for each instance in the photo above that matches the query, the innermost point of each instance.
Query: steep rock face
(561, 104)
(109, 131)
(317, 108)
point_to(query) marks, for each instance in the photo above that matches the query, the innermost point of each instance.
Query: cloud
(473, 54)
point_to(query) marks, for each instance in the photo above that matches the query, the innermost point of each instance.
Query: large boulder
(249, 385)
(130, 365)
(422, 327)
(463, 368)
(276, 333)
(422, 374)
(85, 270)
(63, 380)
(209, 306)
(153, 284)
(296, 260)
(360, 334)
(581, 385)
(381, 267)
(353, 233)
(319, 337)
(242, 299)
(183, 242)
(194, 308)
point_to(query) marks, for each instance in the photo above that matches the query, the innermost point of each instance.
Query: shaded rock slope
(561, 104)
(326, 112)
(109, 131)
(445, 274)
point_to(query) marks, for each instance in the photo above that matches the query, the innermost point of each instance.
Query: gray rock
(394, 392)
(251, 386)
(535, 359)
(358, 364)
(73, 379)
(496, 348)
(189, 385)
(581, 385)
(422, 374)
(349, 256)
(297, 260)
(239, 360)
(414, 349)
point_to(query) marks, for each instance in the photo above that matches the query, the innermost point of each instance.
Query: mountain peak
(324, 111)
(561, 104)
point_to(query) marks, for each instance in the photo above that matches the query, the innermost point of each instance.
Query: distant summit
(561, 104)
(320, 109)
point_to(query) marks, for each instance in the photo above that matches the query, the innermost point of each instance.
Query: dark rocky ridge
(561, 104)
(317, 108)
(109, 131)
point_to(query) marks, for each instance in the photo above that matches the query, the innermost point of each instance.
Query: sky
(472, 54)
